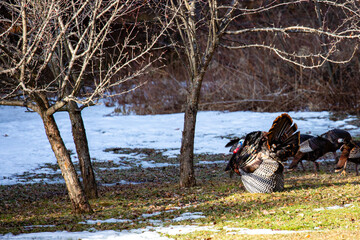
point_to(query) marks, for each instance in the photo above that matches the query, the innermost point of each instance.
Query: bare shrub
(253, 80)
(256, 79)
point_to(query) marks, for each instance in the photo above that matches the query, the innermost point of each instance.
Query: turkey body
(259, 159)
(309, 156)
(350, 152)
(312, 148)
(337, 138)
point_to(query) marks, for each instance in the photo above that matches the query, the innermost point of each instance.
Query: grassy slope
(222, 200)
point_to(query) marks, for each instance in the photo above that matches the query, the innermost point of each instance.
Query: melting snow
(23, 132)
(119, 183)
(149, 233)
(152, 164)
(110, 220)
(333, 207)
(38, 226)
(106, 235)
(189, 216)
(147, 215)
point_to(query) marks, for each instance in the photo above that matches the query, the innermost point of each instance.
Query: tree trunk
(76, 193)
(82, 149)
(187, 176)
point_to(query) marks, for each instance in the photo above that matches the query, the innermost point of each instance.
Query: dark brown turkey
(313, 148)
(350, 151)
(311, 156)
(258, 160)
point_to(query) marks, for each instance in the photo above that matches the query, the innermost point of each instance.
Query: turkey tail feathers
(283, 137)
(278, 130)
(293, 139)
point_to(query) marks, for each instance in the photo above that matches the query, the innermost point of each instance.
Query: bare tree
(78, 132)
(82, 150)
(55, 54)
(331, 36)
(192, 19)
(200, 27)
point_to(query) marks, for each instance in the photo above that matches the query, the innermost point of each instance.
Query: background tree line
(256, 78)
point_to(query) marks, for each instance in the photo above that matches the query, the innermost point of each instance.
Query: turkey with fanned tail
(258, 158)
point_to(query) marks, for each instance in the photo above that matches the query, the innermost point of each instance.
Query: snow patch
(137, 234)
(110, 220)
(152, 164)
(189, 216)
(181, 229)
(122, 182)
(23, 132)
(38, 226)
(333, 207)
(147, 215)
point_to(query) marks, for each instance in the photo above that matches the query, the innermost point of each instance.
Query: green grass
(222, 200)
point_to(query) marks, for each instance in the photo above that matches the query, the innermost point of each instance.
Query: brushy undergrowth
(222, 200)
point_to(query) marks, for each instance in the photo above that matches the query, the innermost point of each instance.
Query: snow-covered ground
(24, 146)
(148, 233)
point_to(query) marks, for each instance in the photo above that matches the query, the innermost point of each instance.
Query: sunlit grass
(222, 200)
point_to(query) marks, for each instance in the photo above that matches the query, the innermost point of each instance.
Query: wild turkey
(259, 159)
(313, 148)
(350, 151)
(306, 156)
(337, 138)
